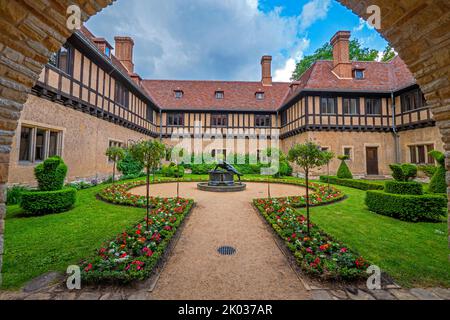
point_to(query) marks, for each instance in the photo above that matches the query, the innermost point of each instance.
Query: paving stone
(339, 294)
(39, 296)
(43, 281)
(89, 296)
(112, 296)
(65, 296)
(321, 295)
(382, 295)
(142, 295)
(441, 292)
(402, 294)
(424, 294)
(361, 295)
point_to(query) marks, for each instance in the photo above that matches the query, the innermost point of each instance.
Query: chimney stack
(103, 46)
(124, 52)
(342, 66)
(266, 69)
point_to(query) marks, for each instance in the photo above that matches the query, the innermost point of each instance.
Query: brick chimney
(266, 69)
(342, 66)
(103, 46)
(124, 52)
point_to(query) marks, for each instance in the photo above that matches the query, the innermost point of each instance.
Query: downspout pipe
(160, 125)
(394, 131)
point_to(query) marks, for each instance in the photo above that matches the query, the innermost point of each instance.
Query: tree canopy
(357, 53)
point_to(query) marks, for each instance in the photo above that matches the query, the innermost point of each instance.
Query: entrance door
(372, 160)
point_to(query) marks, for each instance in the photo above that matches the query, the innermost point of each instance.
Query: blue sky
(224, 40)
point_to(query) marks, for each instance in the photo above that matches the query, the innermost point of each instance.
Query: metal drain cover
(226, 250)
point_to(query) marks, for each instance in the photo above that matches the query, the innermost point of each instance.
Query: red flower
(88, 268)
(124, 255)
(138, 232)
(343, 250)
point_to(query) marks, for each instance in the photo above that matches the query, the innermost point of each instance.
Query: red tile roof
(378, 77)
(200, 95)
(240, 95)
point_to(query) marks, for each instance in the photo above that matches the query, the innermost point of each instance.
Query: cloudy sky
(225, 39)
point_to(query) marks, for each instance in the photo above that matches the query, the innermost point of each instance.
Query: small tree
(343, 170)
(115, 154)
(307, 156)
(149, 153)
(175, 154)
(327, 157)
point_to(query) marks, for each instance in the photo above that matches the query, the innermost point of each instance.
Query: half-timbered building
(89, 98)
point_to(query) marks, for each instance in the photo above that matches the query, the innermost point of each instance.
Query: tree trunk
(148, 196)
(328, 175)
(307, 199)
(114, 172)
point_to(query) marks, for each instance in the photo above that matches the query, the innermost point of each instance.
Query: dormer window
(260, 96)
(219, 95)
(358, 74)
(178, 94)
(108, 51)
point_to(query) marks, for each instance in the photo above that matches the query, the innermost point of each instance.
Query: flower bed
(322, 195)
(133, 254)
(317, 254)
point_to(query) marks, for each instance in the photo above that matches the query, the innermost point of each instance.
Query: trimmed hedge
(401, 187)
(46, 202)
(357, 184)
(412, 208)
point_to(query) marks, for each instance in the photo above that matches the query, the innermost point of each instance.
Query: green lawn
(414, 254)
(36, 245)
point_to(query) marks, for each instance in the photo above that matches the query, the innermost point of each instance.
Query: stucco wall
(85, 140)
(358, 141)
(429, 135)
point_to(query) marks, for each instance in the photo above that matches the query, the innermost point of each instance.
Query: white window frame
(34, 127)
(352, 153)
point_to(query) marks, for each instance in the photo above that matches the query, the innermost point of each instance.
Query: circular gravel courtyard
(258, 269)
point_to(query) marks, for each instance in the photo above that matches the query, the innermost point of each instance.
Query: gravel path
(195, 270)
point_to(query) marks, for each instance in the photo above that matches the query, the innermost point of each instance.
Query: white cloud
(362, 24)
(313, 11)
(200, 39)
(284, 73)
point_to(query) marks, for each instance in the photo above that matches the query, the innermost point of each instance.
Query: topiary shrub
(438, 183)
(46, 202)
(403, 172)
(51, 174)
(128, 166)
(343, 171)
(428, 169)
(412, 208)
(173, 171)
(401, 187)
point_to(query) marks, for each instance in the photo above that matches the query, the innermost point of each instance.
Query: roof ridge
(224, 81)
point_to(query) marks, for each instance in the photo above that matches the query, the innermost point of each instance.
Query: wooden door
(372, 160)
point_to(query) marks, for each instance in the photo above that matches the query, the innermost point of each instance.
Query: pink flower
(343, 250)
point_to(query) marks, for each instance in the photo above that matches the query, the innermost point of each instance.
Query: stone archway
(417, 29)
